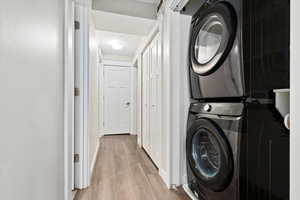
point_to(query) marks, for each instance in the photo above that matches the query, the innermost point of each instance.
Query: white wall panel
(31, 85)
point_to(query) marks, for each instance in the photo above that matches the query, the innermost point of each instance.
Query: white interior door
(117, 96)
(155, 98)
(145, 101)
(151, 97)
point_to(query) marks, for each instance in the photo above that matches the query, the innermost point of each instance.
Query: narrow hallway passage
(124, 172)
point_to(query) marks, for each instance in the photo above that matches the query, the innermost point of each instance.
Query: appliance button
(207, 108)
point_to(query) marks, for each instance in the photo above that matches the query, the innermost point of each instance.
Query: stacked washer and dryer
(237, 146)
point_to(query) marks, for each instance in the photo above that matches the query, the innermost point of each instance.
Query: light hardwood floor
(124, 172)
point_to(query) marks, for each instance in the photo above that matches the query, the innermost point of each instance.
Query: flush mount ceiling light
(115, 44)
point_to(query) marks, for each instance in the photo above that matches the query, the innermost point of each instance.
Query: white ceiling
(136, 8)
(112, 22)
(129, 42)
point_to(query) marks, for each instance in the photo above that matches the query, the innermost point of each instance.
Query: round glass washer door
(209, 155)
(212, 39)
(206, 154)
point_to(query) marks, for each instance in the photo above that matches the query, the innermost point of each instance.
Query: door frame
(68, 98)
(101, 90)
(69, 75)
(82, 167)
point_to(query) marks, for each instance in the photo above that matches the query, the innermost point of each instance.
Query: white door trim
(69, 73)
(82, 169)
(68, 99)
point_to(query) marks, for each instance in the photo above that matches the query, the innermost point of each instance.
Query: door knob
(128, 104)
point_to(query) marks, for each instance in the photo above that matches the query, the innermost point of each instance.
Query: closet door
(154, 109)
(145, 101)
(151, 97)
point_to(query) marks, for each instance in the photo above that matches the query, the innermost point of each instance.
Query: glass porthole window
(209, 154)
(213, 34)
(206, 154)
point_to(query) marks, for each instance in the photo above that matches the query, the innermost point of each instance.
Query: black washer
(209, 155)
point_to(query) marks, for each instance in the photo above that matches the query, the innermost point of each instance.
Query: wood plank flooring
(124, 172)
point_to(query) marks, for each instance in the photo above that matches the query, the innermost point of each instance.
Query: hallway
(124, 172)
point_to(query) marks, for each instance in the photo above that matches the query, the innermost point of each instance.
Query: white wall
(175, 95)
(179, 90)
(184, 24)
(295, 96)
(94, 107)
(31, 85)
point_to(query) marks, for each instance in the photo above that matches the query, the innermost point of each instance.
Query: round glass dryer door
(209, 155)
(212, 38)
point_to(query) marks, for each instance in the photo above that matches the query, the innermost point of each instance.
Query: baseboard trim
(164, 175)
(95, 158)
(74, 192)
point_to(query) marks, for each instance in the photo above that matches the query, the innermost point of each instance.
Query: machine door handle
(287, 121)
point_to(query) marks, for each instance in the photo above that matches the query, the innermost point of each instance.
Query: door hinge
(76, 158)
(77, 25)
(76, 92)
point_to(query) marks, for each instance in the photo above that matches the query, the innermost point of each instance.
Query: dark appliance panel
(266, 46)
(265, 169)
